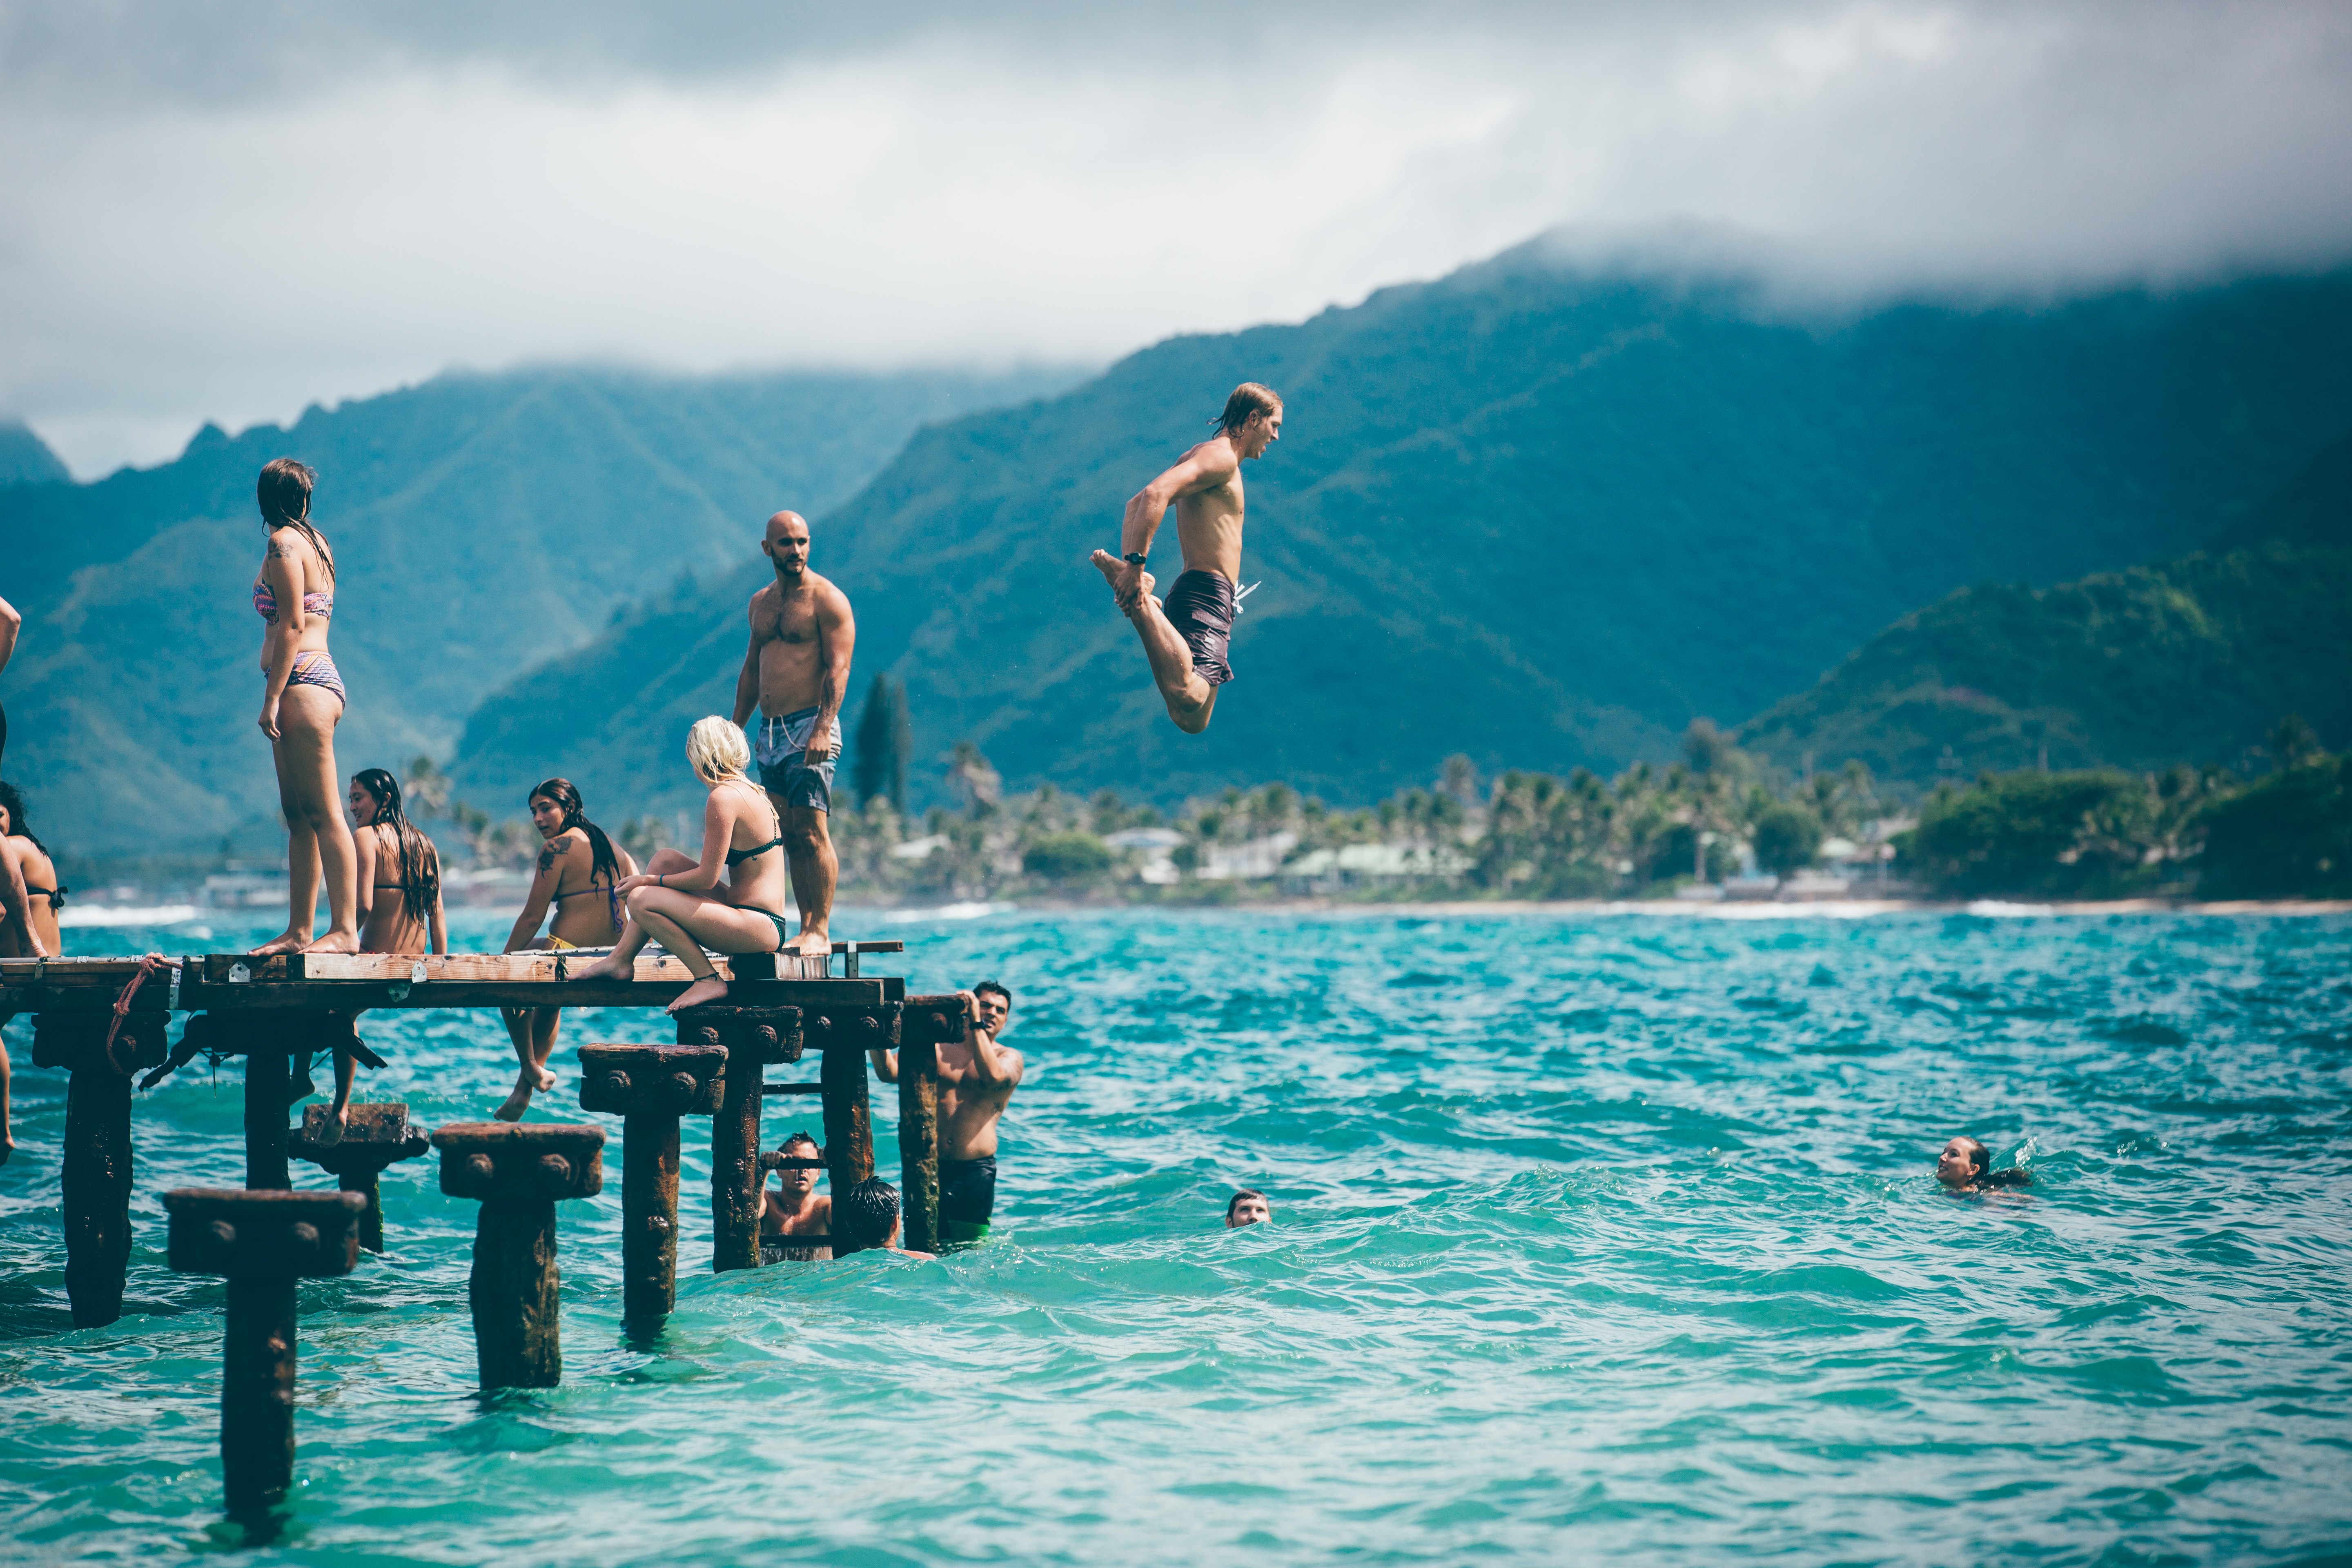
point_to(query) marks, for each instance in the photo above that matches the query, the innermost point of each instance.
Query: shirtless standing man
(797, 670)
(1186, 638)
(977, 1077)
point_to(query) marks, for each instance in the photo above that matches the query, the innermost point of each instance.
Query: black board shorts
(1201, 605)
(967, 1197)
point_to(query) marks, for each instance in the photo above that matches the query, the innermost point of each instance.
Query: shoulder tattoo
(546, 858)
(277, 551)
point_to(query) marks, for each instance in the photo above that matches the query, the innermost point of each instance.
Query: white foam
(959, 911)
(1999, 909)
(127, 914)
(1808, 910)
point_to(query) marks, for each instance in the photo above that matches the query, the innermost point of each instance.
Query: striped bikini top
(265, 602)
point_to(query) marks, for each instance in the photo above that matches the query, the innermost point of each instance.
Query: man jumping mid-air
(1186, 638)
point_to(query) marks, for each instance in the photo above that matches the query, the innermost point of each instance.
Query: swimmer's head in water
(868, 1213)
(799, 1180)
(1963, 1160)
(1247, 1207)
(991, 1004)
(1252, 419)
(786, 542)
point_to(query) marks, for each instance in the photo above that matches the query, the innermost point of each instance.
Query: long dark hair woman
(45, 895)
(301, 703)
(399, 871)
(580, 874)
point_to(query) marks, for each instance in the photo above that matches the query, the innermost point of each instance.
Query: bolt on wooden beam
(377, 1136)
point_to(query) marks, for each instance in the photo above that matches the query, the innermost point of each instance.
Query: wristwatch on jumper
(1135, 558)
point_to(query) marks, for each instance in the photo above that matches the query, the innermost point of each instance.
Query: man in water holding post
(977, 1077)
(1186, 638)
(797, 670)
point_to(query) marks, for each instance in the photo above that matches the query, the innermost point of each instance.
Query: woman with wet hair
(732, 899)
(1965, 1166)
(399, 872)
(580, 874)
(301, 703)
(44, 894)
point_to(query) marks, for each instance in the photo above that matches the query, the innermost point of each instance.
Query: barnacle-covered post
(518, 1174)
(377, 1136)
(650, 1086)
(927, 1024)
(845, 1035)
(751, 1037)
(95, 1177)
(263, 1241)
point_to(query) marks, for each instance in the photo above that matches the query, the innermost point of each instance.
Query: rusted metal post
(650, 1086)
(751, 1037)
(95, 1175)
(848, 1129)
(377, 1136)
(927, 1022)
(518, 1174)
(263, 1241)
(268, 1090)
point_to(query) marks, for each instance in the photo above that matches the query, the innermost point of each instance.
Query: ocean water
(1612, 1237)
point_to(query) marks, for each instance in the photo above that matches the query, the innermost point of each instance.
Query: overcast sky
(226, 211)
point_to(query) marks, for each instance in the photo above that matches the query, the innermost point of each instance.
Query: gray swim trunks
(782, 752)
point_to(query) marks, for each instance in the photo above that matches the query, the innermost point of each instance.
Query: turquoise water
(1612, 1237)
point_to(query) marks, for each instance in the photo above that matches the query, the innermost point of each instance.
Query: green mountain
(26, 459)
(1539, 517)
(482, 525)
(2187, 660)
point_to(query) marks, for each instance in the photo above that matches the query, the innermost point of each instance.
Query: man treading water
(977, 1077)
(1187, 638)
(796, 1210)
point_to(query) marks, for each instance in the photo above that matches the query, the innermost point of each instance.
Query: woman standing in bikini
(730, 900)
(301, 703)
(579, 875)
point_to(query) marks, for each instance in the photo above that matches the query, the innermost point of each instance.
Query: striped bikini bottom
(318, 669)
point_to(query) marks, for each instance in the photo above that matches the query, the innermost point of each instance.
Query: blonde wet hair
(717, 750)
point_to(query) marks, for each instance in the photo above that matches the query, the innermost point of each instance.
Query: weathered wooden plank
(347, 995)
(68, 970)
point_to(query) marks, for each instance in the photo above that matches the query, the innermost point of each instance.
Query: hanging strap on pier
(150, 964)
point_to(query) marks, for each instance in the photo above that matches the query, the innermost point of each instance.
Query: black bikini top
(737, 857)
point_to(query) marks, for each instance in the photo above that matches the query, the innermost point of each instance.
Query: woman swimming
(301, 703)
(1964, 1166)
(686, 904)
(579, 875)
(44, 895)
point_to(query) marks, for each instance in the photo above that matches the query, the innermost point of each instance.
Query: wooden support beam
(377, 1136)
(650, 1086)
(926, 1023)
(848, 1134)
(518, 1174)
(263, 1242)
(94, 1172)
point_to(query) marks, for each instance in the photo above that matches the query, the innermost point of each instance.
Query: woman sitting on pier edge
(43, 894)
(684, 904)
(301, 703)
(580, 874)
(396, 858)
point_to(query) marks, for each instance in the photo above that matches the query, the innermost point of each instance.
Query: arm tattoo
(546, 858)
(277, 551)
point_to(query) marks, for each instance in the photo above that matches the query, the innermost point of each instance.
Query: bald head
(786, 542)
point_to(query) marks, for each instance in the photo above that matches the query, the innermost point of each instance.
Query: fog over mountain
(360, 197)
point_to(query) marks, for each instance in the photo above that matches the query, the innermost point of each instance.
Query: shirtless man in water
(797, 670)
(1186, 638)
(977, 1077)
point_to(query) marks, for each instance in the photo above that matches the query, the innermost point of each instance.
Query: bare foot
(709, 988)
(332, 1130)
(288, 941)
(816, 944)
(516, 1104)
(7, 1147)
(545, 1079)
(1111, 566)
(336, 941)
(607, 968)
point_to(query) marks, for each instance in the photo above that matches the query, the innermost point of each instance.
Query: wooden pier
(106, 1021)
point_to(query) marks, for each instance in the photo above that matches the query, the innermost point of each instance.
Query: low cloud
(242, 208)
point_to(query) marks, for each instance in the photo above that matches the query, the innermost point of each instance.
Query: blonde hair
(717, 750)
